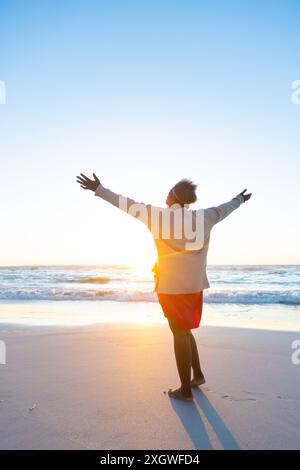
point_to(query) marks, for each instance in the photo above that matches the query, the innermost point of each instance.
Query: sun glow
(143, 264)
(140, 248)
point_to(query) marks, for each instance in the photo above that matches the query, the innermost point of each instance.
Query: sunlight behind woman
(141, 250)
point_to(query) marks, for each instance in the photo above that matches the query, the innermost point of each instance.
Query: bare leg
(183, 355)
(197, 372)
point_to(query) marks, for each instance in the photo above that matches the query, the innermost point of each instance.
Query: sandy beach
(102, 387)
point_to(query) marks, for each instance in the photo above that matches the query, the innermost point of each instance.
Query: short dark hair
(185, 191)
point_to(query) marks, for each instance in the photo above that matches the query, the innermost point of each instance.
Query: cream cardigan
(181, 264)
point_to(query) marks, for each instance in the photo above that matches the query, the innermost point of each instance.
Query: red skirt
(186, 308)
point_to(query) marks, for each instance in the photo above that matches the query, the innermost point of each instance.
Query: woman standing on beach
(182, 238)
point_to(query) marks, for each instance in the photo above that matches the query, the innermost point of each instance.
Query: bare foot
(178, 395)
(197, 382)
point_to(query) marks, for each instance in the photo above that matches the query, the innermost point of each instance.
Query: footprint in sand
(231, 398)
(257, 394)
(286, 397)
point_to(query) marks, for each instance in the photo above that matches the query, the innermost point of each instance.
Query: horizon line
(132, 265)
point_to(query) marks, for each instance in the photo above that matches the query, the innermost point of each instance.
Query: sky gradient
(143, 94)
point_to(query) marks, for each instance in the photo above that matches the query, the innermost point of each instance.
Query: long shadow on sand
(190, 417)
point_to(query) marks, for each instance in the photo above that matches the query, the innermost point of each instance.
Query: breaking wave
(211, 296)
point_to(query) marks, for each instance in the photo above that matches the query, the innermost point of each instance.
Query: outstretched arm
(136, 209)
(213, 215)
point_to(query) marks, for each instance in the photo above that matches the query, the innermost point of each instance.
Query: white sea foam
(244, 285)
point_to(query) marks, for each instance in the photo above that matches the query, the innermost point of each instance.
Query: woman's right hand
(86, 183)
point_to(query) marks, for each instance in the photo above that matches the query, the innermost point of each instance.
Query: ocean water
(265, 296)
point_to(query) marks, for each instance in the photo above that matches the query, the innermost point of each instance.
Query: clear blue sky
(145, 93)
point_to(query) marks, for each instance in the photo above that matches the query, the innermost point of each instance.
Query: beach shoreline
(88, 313)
